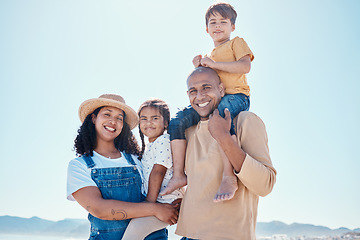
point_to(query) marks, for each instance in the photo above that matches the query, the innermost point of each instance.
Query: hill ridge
(71, 227)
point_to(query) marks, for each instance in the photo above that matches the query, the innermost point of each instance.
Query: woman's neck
(107, 150)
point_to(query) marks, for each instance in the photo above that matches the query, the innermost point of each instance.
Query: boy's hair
(164, 111)
(224, 9)
(85, 141)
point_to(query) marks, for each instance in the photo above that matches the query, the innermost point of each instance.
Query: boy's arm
(155, 180)
(242, 66)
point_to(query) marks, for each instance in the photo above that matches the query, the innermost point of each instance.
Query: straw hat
(110, 100)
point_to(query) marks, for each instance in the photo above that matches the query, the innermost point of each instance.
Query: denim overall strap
(129, 158)
(119, 183)
(88, 160)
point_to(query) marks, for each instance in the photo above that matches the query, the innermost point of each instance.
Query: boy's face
(205, 92)
(219, 29)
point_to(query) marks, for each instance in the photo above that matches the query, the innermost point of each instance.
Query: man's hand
(197, 61)
(219, 129)
(177, 203)
(219, 126)
(166, 213)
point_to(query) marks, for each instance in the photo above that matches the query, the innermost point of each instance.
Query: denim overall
(120, 183)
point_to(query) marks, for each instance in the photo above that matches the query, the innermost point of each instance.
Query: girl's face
(108, 123)
(151, 123)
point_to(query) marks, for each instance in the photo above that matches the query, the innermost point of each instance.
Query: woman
(105, 178)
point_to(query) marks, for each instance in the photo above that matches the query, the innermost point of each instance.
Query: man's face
(205, 92)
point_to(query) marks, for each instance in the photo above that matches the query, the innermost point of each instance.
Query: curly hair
(164, 111)
(85, 141)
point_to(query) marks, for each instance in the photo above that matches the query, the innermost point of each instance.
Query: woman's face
(108, 123)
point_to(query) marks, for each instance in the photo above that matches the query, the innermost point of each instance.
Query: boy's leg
(139, 228)
(183, 120)
(228, 185)
(235, 103)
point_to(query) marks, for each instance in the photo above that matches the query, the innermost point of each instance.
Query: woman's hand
(166, 213)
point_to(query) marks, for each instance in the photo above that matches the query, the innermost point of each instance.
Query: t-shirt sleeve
(257, 172)
(162, 153)
(241, 49)
(78, 177)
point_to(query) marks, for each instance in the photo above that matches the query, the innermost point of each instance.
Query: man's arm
(249, 157)
(219, 129)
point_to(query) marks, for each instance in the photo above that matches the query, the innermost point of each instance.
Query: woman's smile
(110, 129)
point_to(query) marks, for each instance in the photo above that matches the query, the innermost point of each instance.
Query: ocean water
(171, 229)
(34, 237)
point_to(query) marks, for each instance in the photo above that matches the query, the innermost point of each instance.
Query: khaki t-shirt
(200, 217)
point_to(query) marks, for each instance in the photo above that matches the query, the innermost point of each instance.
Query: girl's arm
(242, 66)
(155, 180)
(91, 199)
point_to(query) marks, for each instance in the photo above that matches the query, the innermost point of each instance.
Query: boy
(232, 60)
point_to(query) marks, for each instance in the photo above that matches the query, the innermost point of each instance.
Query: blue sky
(304, 85)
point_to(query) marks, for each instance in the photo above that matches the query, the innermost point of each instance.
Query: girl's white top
(79, 175)
(159, 152)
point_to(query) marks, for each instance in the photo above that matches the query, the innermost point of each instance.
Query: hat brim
(89, 106)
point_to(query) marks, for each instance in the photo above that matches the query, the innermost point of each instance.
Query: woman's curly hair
(164, 111)
(85, 141)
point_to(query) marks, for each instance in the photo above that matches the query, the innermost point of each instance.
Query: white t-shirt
(159, 152)
(79, 175)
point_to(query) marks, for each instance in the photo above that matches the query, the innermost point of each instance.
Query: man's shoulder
(246, 115)
(247, 118)
(190, 131)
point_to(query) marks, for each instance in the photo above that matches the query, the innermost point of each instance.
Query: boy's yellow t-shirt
(232, 51)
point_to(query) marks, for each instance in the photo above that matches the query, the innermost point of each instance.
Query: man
(201, 217)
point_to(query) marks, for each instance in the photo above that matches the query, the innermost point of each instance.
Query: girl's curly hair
(85, 141)
(164, 111)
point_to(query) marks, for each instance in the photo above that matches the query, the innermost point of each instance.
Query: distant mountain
(298, 229)
(10, 224)
(69, 227)
(80, 228)
(35, 226)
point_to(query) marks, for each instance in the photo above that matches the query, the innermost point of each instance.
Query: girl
(105, 178)
(157, 165)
